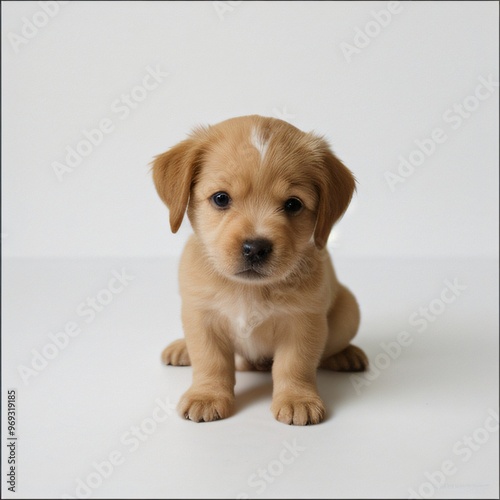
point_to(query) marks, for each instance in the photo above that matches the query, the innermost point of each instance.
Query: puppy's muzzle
(256, 252)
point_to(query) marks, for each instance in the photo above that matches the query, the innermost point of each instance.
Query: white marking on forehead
(259, 143)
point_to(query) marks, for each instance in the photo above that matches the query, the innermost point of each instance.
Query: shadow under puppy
(257, 284)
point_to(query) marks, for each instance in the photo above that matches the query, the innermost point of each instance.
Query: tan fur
(295, 316)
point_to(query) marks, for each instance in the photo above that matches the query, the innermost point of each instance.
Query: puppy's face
(259, 193)
(253, 209)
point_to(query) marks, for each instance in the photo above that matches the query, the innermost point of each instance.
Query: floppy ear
(336, 186)
(173, 174)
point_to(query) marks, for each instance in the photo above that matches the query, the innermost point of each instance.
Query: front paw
(297, 410)
(176, 354)
(201, 405)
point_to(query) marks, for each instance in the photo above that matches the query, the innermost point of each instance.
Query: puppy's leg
(295, 396)
(343, 323)
(211, 395)
(176, 354)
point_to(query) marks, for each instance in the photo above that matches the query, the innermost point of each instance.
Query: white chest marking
(247, 345)
(246, 322)
(246, 315)
(243, 328)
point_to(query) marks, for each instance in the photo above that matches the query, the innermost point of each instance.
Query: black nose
(256, 251)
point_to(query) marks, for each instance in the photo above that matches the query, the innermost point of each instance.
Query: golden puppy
(257, 284)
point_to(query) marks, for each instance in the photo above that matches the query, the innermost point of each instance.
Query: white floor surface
(422, 423)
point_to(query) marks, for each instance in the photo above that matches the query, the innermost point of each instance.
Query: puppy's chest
(250, 320)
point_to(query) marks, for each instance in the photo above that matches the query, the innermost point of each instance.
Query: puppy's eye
(293, 206)
(221, 199)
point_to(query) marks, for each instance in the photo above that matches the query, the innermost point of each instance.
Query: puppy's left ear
(173, 175)
(336, 187)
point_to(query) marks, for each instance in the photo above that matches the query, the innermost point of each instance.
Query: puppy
(257, 284)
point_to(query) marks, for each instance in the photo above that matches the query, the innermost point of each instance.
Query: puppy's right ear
(173, 174)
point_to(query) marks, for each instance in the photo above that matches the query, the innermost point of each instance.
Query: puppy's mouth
(251, 273)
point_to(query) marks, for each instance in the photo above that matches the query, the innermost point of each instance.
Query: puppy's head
(259, 194)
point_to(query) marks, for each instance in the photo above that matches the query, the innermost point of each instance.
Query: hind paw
(176, 354)
(351, 359)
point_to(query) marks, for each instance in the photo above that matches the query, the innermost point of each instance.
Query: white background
(266, 58)
(63, 237)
